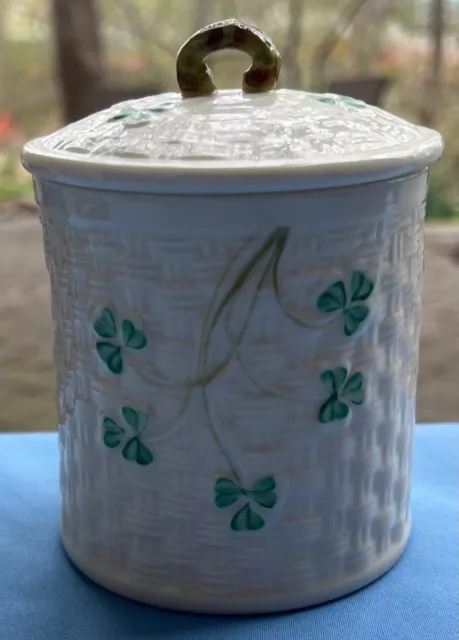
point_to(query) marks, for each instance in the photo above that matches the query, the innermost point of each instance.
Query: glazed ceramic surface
(236, 372)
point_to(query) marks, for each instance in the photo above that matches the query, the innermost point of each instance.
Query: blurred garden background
(62, 59)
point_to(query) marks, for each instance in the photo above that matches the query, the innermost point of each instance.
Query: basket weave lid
(256, 133)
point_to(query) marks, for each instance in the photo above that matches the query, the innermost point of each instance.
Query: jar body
(236, 388)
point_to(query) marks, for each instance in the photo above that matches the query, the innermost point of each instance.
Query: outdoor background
(62, 59)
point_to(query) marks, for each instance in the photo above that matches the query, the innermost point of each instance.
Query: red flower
(7, 128)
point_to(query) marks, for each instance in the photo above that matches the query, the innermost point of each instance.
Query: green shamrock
(131, 116)
(344, 389)
(335, 298)
(133, 450)
(331, 98)
(110, 352)
(228, 492)
(352, 102)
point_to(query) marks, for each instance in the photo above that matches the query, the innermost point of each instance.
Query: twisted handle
(194, 76)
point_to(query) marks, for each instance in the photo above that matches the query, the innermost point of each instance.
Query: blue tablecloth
(42, 597)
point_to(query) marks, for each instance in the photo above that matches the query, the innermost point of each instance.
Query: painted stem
(238, 284)
(169, 426)
(298, 321)
(233, 338)
(242, 278)
(152, 375)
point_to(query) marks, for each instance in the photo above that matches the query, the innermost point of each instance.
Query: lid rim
(238, 186)
(221, 176)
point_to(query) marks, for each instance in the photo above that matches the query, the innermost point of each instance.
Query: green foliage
(31, 95)
(15, 192)
(15, 184)
(440, 205)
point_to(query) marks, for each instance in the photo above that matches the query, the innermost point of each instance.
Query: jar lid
(255, 139)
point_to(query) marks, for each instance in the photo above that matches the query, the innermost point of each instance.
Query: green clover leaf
(332, 99)
(335, 299)
(353, 318)
(333, 410)
(161, 107)
(138, 118)
(110, 354)
(353, 389)
(344, 390)
(325, 99)
(228, 492)
(361, 287)
(267, 484)
(133, 338)
(121, 115)
(135, 451)
(132, 117)
(137, 420)
(105, 326)
(333, 380)
(352, 102)
(263, 493)
(247, 520)
(113, 433)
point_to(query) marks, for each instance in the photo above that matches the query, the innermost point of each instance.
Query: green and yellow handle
(193, 74)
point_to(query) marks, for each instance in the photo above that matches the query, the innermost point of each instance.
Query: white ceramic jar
(236, 281)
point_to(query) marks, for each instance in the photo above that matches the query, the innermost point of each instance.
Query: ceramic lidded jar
(236, 281)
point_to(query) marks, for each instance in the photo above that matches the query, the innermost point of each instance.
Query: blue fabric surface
(42, 597)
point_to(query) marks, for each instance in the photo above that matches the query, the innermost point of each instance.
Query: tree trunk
(433, 95)
(78, 55)
(3, 61)
(368, 36)
(332, 38)
(142, 31)
(292, 49)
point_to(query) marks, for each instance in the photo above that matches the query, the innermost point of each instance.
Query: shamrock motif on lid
(334, 99)
(138, 117)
